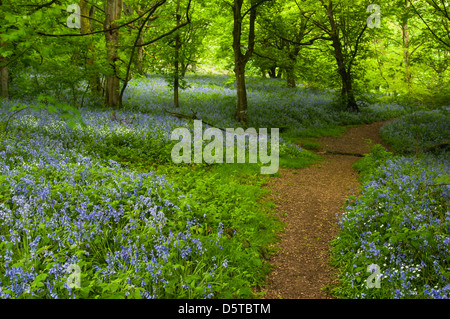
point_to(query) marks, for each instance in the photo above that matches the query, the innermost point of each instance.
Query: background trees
(243, 52)
(325, 44)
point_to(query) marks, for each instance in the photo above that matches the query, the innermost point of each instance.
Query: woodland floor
(307, 202)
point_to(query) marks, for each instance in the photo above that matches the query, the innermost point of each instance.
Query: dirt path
(308, 200)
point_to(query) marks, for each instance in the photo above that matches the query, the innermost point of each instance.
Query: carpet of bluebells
(86, 198)
(66, 204)
(419, 130)
(129, 232)
(397, 232)
(302, 111)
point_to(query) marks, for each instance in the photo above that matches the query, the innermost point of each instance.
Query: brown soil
(354, 139)
(308, 201)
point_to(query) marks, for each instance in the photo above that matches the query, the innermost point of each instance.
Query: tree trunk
(94, 76)
(290, 78)
(4, 73)
(184, 67)
(140, 57)
(347, 93)
(176, 81)
(139, 60)
(272, 72)
(239, 66)
(4, 76)
(406, 56)
(113, 12)
(406, 52)
(280, 72)
(241, 112)
(240, 59)
(292, 61)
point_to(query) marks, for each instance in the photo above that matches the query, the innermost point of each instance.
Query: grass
(308, 143)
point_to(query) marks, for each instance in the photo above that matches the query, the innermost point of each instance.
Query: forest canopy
(396, 49)
(104, 104)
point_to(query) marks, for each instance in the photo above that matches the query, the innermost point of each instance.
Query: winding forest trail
(307, 202)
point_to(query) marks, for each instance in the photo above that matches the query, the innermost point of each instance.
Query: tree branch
(40, 6)
(254, 7)
(171, 31)
(356, 47)
(134, 48)
(10, 61)
(428, 27)
(100, 31)
(192, 117)
(87, 17)
(264, 57)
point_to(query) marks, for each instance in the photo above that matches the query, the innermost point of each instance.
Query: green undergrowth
(419, 131)
(210, 236)
(394, 237)
(234, 196)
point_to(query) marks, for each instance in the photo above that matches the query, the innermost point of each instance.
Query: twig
(193, 117)
(10, 116)
(442, 184)
(432, 148)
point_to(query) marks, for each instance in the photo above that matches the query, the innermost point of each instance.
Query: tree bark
(290, 78)
(4, 79)
(4, 76)
(347, 93)
(272, 72)
(292, 57)
(240, 59)
(140, 57)
(406, 42)
(139, 60)
(239, 70)
(176, 81)
(241, 112)
(4, 73)
(94, 76)
(280, 72)
(263, 73)
(184, 68)
(113, 12)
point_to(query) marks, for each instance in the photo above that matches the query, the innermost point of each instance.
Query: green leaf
(445, 179)
(41, 277)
